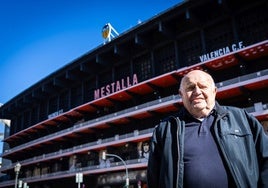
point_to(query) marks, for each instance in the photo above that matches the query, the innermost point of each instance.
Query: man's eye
(203, 87)
(190, 88)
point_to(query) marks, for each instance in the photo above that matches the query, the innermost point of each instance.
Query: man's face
(198, 93)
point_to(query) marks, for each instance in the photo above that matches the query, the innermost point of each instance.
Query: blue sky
(37, 37)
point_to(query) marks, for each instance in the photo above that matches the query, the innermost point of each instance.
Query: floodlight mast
(108, 32)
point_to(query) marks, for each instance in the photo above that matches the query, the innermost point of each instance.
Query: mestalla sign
(116, 86)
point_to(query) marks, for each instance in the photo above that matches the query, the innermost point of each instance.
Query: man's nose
(197, 90)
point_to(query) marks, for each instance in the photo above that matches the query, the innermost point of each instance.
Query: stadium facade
(110, 99)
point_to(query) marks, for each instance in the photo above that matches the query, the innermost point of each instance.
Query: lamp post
(104, 155)
(17, 171)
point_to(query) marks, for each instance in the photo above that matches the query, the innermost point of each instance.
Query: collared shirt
(203, 164)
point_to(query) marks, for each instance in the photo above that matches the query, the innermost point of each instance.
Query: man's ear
(180, 93)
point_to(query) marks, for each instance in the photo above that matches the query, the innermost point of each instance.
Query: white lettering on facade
(54, 114)
(115, 86)
(221, 51)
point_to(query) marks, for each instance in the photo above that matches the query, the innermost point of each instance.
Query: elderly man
(206, 144)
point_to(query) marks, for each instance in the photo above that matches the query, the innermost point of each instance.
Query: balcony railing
(94, 169)
(244, 78)
(97, 121)
(88, 146)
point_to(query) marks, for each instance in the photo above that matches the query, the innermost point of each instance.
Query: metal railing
(87, 146)
(93, 169)
(97, 121)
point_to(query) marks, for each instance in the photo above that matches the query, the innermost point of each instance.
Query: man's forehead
(197, 73)
(196, 78)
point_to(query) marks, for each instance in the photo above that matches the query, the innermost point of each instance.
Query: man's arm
(153, 170)
(261, 143)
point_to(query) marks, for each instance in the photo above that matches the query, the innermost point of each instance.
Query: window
(143, 67)
(53, 105)
(219, 35)
(165, 59)
(76, 96)
(122, 71)
(252, 25)
(190, 48)
(64, 101)
(89, 87)
(105, 78)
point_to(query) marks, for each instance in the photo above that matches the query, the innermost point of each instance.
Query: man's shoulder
(167, 123)
(229, 109)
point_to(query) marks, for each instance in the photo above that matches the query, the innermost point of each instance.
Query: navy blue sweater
(203, 165)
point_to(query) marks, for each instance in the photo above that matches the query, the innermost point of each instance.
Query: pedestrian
(207, 145)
